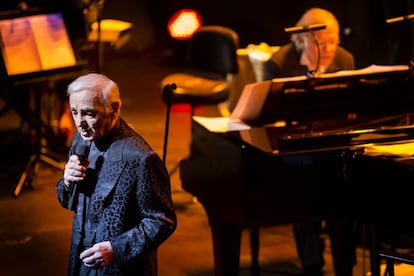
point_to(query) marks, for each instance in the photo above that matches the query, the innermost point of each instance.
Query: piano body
(315, 165)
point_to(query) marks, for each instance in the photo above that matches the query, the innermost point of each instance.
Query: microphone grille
(82, 150)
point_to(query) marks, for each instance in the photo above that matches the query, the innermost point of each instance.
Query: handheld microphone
(82, 151)
(302, 29)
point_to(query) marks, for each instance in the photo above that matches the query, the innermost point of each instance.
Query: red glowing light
(184, 23)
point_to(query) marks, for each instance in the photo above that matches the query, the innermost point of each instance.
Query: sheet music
(251, 101)
(369, 70)
(372, 69)
(35, 43)
(220, 124)
(19, 46)
(52, 41)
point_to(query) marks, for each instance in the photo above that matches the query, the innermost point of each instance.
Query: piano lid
(283, 141)
(344, 109)
(375, 90)
(327, 136)
(336, 96)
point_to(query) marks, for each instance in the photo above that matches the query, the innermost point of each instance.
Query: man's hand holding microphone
(75, 172)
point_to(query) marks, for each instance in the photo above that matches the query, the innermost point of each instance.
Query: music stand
(116, 32)
(35, 50)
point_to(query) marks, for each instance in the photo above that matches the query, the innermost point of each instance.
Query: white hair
(315, 16)
(106, 90)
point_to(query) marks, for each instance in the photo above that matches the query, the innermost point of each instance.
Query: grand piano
(310, 147)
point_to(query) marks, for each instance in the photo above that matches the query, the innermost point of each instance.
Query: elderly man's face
(89, 115)
(328, 42)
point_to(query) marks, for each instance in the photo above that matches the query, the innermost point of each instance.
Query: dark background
(364, 31)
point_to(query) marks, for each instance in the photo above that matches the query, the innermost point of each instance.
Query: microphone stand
(166, 94)
(100, 57)
(312, 73)
(310, 28)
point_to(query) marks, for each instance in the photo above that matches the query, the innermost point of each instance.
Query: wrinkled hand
(98, 256)
(74, 171)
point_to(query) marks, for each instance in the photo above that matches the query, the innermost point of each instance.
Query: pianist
(300, 57)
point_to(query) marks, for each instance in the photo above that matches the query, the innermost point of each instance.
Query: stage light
(183, 24)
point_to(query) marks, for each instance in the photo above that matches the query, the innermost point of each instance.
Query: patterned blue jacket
(131, 205)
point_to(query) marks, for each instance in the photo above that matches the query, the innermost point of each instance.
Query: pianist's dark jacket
(286, 63)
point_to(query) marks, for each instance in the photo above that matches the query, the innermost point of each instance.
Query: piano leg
(374, 246)
(226, 247)
(254, 246)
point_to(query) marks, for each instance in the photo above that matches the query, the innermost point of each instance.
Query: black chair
(212, 61)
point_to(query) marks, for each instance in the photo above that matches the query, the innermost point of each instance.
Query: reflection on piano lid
(403, 150)
(282, 141)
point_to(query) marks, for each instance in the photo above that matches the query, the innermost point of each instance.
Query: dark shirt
(94, 155)
(97, 154)
(286, 63)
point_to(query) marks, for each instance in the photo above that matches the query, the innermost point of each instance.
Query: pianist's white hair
(315, 16)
